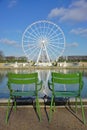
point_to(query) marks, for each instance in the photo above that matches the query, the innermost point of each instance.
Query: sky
(17, 15)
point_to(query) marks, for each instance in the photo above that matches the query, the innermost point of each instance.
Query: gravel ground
(25, 118)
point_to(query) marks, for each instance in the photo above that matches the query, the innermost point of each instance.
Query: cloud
(74, 44)
(9, 42)
(12, 3)
(76, 11)
(57, 12)
(80, 31)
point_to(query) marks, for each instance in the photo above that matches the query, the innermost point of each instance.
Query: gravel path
(25, 118)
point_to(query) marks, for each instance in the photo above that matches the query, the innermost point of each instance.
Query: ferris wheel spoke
(32, 51)
(50, 31)
(54, 32)
(41, 31)
(55, 36)
(32, 48)
(43, 39)
(50, 56)
(34, 56)
(35, 32)
(37, 27)
(55, 43)
(30, 39)
(52, 53)
(32, 36)
(40, 27)
(29, 45)
(28, 48)
(55, 50)
(46, 30)
(38, 32)
(25, 36)
(56, 47)
(30, 42)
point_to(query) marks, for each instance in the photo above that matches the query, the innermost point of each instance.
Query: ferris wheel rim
(49, 22)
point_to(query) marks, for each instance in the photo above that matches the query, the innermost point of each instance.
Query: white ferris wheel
(43, 41)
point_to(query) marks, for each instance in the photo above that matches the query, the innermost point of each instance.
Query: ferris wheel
(43, 41)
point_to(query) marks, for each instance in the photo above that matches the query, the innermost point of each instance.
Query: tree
(1, 56)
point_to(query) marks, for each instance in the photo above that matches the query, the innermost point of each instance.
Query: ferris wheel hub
(43, 42)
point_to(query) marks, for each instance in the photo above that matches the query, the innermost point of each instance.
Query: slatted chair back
(31, 78)
(22, 78)
(67, 79)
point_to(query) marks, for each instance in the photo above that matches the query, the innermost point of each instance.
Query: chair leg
(15, 105)
(76, 104)
(38, 108)
(7, 113)
(52, 108)
(83, 113)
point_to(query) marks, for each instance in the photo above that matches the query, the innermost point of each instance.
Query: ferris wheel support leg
(39, 56)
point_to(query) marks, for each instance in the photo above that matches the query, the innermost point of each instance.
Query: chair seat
(66, 94)
(23, 93)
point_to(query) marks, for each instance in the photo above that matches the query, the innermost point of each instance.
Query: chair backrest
(31, 78)
(22, 78)
(69, 78)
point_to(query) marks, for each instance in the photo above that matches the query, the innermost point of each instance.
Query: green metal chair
(70, 79)
(16, 82)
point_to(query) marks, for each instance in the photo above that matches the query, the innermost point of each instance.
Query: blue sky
(17, 15)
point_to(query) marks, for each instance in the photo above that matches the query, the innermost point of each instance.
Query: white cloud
(74, 44)
(57, 12)
(12, 3)
(79, 31)
(76, 11)
(9, 42)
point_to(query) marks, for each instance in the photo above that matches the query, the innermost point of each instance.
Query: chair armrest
(49, 85)
(82, 83)
(9, 87)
